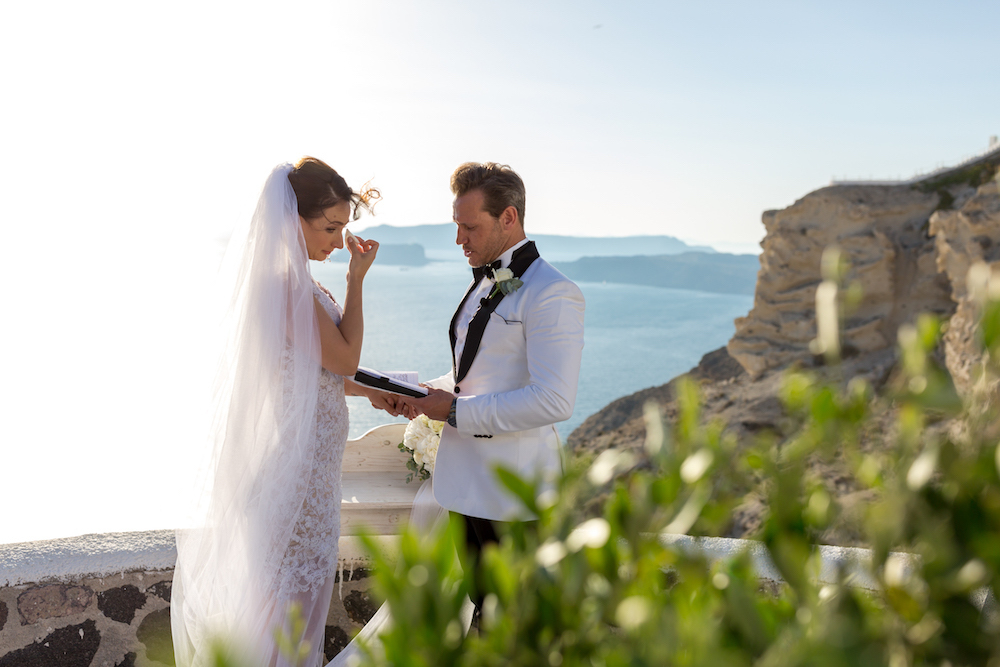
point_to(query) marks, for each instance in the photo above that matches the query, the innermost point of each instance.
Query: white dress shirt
(481, 291)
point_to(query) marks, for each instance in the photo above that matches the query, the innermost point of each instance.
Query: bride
(259, 562)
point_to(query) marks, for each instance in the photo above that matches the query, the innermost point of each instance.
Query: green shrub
(576, 590)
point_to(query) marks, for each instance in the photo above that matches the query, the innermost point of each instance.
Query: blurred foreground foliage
(574, 589)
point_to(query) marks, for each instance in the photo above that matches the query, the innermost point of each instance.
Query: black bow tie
(479, 271)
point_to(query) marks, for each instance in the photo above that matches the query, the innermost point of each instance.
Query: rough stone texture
(962, 238)
(161, 590)
(3, 615)
(145, 641)
(117, 639)
(53, 601)
(360, 606)
(355, 574)
(621, 422)
(120, 604)
(335, 641)
(881, 230)
(71, 646)
(154, 634)
(744, 404)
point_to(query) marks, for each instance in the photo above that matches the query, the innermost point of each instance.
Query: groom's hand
(435, 405)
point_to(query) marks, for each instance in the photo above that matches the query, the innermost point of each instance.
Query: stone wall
(96, 601)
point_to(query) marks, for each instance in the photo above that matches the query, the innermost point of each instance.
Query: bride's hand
(387, 402)
(362, 255)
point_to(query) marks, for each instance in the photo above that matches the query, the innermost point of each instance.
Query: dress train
(425, 516)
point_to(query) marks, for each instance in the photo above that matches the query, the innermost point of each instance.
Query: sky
(135, 135)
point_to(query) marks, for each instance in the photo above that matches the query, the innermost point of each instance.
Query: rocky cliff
(882, 231)
(961, 238)
(909, 248)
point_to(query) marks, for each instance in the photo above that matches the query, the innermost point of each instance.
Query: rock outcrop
(909, 247)
(962, 238)
(882, 231)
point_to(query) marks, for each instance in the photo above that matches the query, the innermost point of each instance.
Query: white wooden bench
(375, 493)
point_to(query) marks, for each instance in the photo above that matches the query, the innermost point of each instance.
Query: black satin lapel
(454, 319)
(477, 327)
(519, 263)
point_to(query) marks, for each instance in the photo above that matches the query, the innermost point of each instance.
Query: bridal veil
(263, 422)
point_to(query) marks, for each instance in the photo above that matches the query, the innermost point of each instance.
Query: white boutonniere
(505, 282)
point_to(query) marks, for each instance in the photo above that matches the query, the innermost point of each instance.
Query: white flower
(422, 438)
(500, 275)
(504, 282)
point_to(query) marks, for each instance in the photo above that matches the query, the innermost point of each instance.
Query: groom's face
(481, 236)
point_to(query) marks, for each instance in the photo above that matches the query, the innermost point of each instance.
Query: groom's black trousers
(478, 533)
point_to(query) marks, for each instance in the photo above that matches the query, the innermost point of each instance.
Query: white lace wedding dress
(222, 589)
(262, 496)
(309, 565)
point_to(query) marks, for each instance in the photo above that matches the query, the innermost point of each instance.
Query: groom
(516, 342)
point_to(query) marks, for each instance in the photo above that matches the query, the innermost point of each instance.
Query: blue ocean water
(635, 336)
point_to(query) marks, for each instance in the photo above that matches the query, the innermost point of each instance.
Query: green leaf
(523, 490)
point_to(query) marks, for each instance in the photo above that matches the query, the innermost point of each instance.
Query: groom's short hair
(500, 185)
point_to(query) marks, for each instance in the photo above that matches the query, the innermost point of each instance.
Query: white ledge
(94, 555)
(108, 554)
(850, 564)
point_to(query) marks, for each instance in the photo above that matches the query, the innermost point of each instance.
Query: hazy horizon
(718, 246)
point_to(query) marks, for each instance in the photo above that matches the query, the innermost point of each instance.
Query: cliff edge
(909, 246)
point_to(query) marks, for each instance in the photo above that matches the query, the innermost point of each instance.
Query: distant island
(439, 243)
(392, 254)
(717, 272)
(657, 261)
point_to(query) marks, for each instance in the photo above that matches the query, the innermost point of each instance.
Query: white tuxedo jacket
(523, 380)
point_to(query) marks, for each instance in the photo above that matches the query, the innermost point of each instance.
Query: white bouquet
(421, 439)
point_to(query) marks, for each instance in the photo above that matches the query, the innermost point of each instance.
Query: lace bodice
(312, 553)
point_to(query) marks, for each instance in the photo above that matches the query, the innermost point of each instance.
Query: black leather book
(386, 382)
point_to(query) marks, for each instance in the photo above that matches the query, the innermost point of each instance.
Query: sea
(634, 336)
(135, 434)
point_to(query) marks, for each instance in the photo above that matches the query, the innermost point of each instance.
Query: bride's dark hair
(318, 186)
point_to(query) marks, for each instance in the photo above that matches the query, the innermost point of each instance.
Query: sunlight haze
(136, 134)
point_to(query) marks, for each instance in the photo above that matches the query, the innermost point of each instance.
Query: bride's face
(326, 233)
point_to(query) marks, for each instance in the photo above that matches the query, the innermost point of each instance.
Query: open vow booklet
(394, 382)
